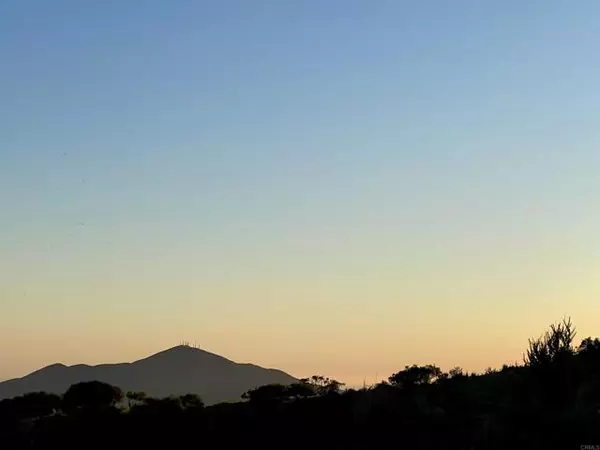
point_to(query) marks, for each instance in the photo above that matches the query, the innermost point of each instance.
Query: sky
(335, 187)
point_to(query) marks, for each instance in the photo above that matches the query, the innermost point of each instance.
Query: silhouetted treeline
(550, 401)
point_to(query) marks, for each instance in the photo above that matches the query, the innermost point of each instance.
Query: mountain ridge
(174, 371)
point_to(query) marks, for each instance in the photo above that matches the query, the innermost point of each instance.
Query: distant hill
(176, 371)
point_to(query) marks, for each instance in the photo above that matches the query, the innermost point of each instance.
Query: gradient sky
(338, 187)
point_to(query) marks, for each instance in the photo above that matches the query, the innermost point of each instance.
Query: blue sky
(223, 170)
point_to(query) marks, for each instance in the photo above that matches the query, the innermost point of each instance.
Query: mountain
(176, 371)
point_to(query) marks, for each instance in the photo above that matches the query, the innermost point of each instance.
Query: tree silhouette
(301, 390)
(92, 395)
(415, 375)
(555, 344)
(323, 385)
(39, 404)
(317, 385)
(550, 359)
(33, 405)
(191, 401)
(135, 398)
(456, 372)
(267, 394)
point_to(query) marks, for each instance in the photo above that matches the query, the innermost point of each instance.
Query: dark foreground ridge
(176, 371)
(550, 401)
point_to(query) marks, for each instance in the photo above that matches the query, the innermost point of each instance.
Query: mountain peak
(183, 355)
(51, 368)
(183, 348)
(56, 366)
